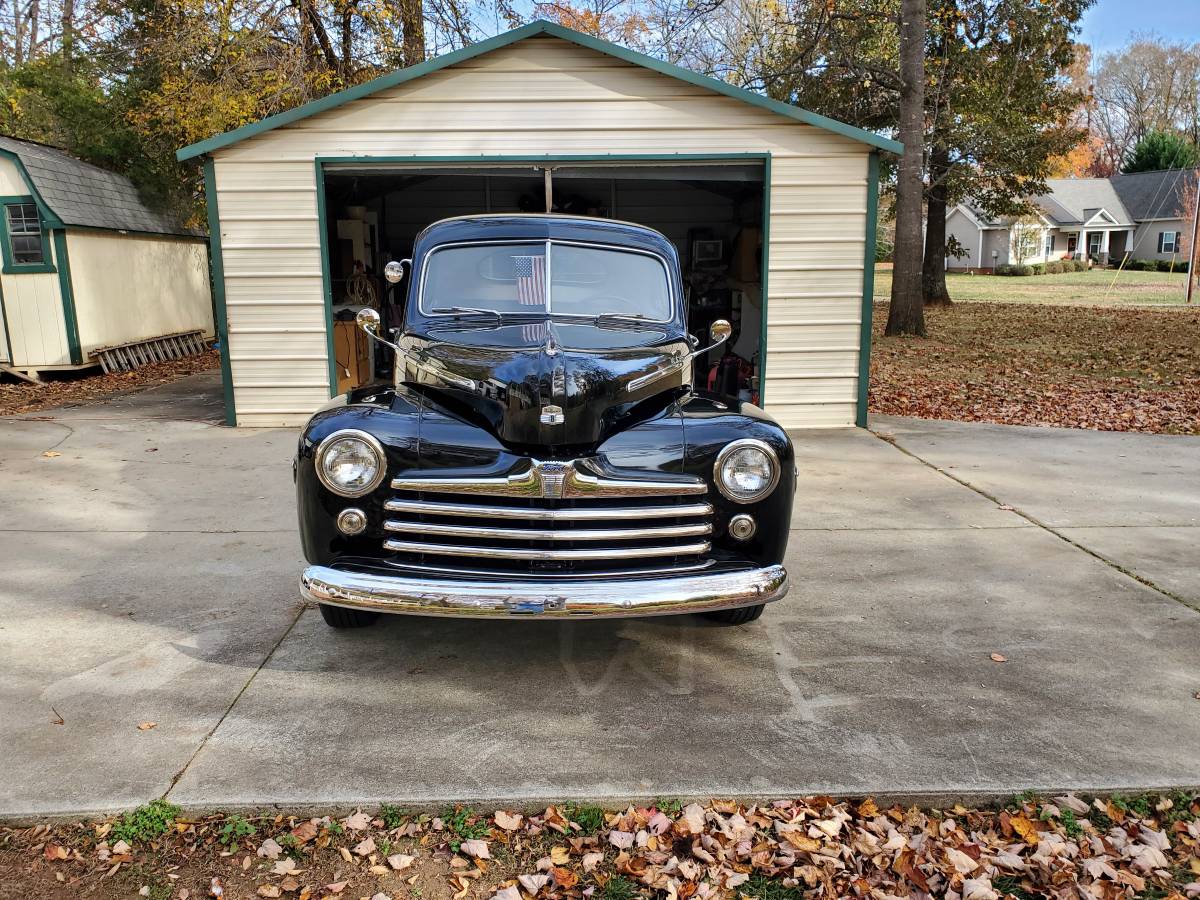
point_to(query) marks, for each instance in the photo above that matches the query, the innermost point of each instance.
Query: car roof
(543, 227)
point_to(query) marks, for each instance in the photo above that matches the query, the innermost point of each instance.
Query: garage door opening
(713, 212)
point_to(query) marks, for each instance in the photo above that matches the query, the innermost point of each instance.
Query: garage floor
(149, 576)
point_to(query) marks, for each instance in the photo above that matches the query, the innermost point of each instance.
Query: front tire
(340, 617)
(740, 616)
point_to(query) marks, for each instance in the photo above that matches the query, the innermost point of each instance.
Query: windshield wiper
(467, 312)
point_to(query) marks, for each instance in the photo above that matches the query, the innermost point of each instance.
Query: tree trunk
(933, 271)
(412, 21)
(68, 34)
(906, 314)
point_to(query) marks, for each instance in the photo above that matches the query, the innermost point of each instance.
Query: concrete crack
(1111, 563)
(233, 702)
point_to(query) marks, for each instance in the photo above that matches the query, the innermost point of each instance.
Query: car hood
(524, 386)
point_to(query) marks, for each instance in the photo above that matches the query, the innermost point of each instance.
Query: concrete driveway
(149, 576)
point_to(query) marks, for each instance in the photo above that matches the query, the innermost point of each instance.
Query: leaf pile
(814, 847)
(1026, 364)
(20, 396)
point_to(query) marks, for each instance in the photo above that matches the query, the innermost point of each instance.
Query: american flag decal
(531, 280)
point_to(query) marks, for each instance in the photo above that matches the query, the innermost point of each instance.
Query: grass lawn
(1096, 287)
(1028, 363)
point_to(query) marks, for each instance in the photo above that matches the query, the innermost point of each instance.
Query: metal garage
(772, 209)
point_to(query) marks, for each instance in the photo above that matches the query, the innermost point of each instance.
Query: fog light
(352, 521)
(742, 527)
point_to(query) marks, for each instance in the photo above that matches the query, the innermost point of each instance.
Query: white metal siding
(539, 97)
(159, 287)
(34, 314)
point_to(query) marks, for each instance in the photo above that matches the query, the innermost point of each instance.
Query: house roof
(400, 76)
(1153, 195)
(1077, 200)
(72, 192)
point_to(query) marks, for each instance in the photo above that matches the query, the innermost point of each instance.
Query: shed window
(1168, 242)
(24, 238)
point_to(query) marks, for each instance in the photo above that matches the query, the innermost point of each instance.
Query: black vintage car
(542, 451)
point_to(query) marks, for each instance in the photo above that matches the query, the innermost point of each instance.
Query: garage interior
(712, 212)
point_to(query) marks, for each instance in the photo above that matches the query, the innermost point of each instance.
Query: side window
(24, 238)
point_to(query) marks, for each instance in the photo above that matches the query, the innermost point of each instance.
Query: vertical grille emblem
(552, 415)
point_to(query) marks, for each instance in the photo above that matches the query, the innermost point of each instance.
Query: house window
(1094, 240)
(1168, 242)
(1049, 244)
(24, 237)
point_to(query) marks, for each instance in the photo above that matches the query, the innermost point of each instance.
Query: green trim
(766, 267)
(392, 79)
(7, 332)
(216, 264)
(50, 218)
(67, 295)
(326, 277)
(11, 266)
(545, 158)
(868, 296)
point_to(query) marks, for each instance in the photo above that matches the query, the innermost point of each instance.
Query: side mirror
(368, 320)
(394, 271)
(719, 332)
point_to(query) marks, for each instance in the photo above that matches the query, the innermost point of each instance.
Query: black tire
(740, 616)
(340, 617)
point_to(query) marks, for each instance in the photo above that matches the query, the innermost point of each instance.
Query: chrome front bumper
(602, 597)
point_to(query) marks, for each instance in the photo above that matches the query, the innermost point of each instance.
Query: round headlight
(350, 463)
(746, 470)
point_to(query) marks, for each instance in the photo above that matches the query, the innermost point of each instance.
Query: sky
(1110, 24)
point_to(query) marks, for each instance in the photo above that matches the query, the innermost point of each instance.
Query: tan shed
(87, 266)
(772, 209)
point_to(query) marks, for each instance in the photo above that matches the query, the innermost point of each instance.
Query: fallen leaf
(360, 821)
(533, 883)
(58, 719)
(508, 893)
(400, 862)
(120, 848)
(475, 848)
(50, 454)
(269, 849)
(508, 821)
(285, 866)
(999, 657)
(559, 855)
(304, 832)
(379, 870)
(380, 896)
(336, 887)
(565, 878)
(345, 854)
(269, 890)
(215, 888)
(622, 840)
(591, 860)
(54, 851)
(246, 861)
(290, 884)
(365, 847)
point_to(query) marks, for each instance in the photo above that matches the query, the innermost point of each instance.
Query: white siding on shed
(542, 97)
(160, 287)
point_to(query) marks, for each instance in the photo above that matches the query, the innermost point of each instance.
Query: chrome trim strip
(424, 569)
(538, 534)
(538, 554)
(607, 513)
(554, 480)
(498, 599)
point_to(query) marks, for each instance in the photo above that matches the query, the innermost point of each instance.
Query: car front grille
(590, 525)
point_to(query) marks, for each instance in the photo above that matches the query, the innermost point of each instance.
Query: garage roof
(502, 40)
(78, 193)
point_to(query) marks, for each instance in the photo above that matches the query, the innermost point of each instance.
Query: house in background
(1137, 216)
(86, 264)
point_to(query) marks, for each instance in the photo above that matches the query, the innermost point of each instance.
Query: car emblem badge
(553, 477)
(552, 415)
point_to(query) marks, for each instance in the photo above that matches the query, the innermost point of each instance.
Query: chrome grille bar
(576, 479)
(531, 534)
(618, 513)
(523, 553)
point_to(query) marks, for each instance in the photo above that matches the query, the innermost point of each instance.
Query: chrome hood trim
(570, 480)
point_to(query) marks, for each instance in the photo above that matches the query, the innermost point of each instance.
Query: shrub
(1139, 265)
(1081, 265)
(1004, 269)
(145, 823)
(1054, 267)
(1038, 268)
(1164, 265)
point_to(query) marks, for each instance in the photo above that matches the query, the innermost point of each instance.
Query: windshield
(511, 279)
